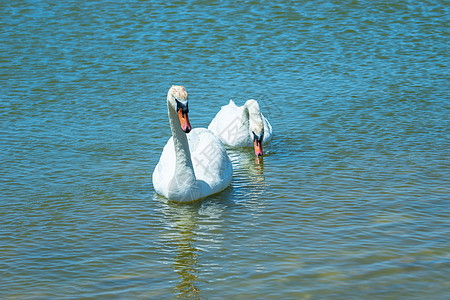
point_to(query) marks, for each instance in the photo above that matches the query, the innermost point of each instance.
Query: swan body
(194, 165)
(242, 126)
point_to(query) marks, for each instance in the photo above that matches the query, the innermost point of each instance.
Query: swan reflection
(181, 222)
(249, 179)
(195, 228)
(247, 164)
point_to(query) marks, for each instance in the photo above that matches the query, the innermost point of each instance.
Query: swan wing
(227, 125)
(212, 165)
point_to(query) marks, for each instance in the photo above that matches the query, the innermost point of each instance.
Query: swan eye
(258, 138)
(182, 106)
(254, 136)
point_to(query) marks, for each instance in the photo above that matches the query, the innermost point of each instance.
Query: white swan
(243, 126)
(194, 165)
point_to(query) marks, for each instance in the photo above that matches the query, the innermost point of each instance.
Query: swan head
(177, 99)
(256, 125)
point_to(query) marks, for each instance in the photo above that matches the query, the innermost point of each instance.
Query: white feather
(230, 125)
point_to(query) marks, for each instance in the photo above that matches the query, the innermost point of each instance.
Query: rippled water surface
(351, 200)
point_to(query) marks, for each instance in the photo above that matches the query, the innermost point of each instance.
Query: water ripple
(349, 201)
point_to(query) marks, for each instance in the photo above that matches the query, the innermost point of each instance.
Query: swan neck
(180, 141)
(245, 115)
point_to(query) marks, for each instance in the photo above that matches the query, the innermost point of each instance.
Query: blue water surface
(350, 201)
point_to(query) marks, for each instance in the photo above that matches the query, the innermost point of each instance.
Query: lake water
(351, 200)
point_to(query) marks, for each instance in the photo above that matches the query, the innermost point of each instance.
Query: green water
(351, 200)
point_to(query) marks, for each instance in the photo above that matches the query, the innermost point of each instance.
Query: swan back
(235, 125)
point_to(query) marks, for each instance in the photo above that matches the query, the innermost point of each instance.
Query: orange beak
(258, 147)
(184, 120)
